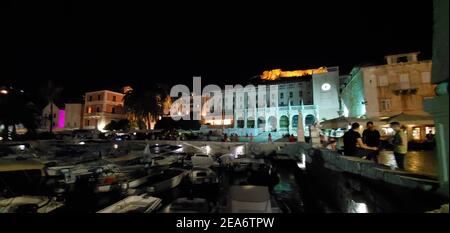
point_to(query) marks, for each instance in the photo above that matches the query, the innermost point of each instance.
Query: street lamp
(4, 92)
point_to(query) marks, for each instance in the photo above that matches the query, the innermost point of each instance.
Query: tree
(122, 124)
(168, 123)
(145, 104)
(51, 92)
(111, 126)
(17, 108)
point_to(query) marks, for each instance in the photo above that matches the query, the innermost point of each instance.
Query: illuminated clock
(326, 87)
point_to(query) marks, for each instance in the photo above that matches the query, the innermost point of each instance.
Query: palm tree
(51, 92)
(145, 104)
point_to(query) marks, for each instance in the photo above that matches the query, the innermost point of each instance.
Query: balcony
(404, 89)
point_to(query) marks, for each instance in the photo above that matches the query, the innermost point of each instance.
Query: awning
(405, 118)
(341, 122)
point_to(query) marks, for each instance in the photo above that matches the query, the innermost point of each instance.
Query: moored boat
(29, 204)
(187, 205)
(139, 204)
(165, 180)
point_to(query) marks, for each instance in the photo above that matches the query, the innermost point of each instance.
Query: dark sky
(86, 47)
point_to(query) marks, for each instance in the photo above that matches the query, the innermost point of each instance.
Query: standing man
(353, 144)
(371, 137)
(400, 142)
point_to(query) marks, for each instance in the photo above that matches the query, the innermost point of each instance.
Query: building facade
(56, 112)
(398, 87)
(101, 107)
(73, 116)
(314, 96)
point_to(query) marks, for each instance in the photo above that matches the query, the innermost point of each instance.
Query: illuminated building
(58, 115)
(398, 87)
(276, 74)
(101, 107)
(73, 116)
(313, 92)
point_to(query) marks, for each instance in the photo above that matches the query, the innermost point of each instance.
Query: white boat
(121, 178)
(29, 204)
(250, 199)
(163, 161)
(129, 158)
(17, 151)
(203, 176)
(165, 180)
(201, 160)
(187, 205)
(141, 204)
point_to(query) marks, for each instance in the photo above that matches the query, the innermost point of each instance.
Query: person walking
(270, 137)
(400, 142)
(371, 137)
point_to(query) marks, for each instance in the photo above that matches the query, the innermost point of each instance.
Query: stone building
(101, 107)
(398, 87)
(314, 94)
(73, 116)
(53, 114)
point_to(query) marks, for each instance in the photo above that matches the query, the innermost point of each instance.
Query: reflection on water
(420, 162)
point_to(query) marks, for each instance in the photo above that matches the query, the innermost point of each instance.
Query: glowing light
(278, 73)
(326, 87)
(302, 164)
(1, 138)
(363, 109)
(239, 151)
(208, 149)
(4, 92)
(179, 150)
(61, 118)
(22, 147)
(355, 207)
(101, 126)
(116, 146)
(345, 110)
(82, 143)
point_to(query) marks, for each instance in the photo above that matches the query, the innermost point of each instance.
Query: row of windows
(404, 79)
(100, 97)
(99, 109)
(385, 105)
(291, 95)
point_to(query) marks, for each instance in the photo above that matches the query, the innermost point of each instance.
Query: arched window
(250, 122)
(240, 123)
(284, 122)
(261, 123)
(295, 121)
(310, 119)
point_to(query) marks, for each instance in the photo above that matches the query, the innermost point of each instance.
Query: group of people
(233, 138)
(369, 144)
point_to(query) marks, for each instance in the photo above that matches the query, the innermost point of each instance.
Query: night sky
(85, 47)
